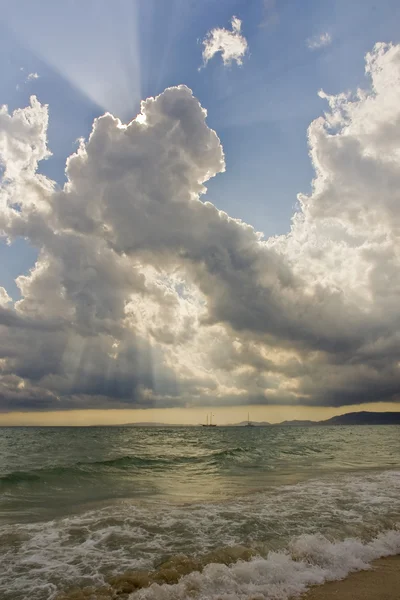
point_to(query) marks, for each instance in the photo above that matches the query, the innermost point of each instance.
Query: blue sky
(96, 56)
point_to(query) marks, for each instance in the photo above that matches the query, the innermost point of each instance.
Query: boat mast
(210, 418)
(207, 419)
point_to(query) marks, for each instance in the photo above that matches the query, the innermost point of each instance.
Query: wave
(78, 469)
(219, 459)
(121, 463)
(19, 476)
(125, 462)
(168, 461)
(240, 573)
(222, 454)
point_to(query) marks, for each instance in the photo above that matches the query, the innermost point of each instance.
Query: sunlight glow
(185, 416)
(94, 45)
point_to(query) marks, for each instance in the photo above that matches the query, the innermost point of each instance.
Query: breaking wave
(240, 573)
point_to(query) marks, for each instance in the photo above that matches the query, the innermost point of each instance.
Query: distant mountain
(364, 418)
(353, 418)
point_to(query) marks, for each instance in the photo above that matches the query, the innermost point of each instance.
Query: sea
(165, 513)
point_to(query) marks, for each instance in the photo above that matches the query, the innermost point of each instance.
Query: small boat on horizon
(249, 424)
(209, 424)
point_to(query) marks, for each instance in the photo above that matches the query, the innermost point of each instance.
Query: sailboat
(248, 424)
(209, 424)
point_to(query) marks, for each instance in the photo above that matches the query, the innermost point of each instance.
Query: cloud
(319, 41)
(231, 44)
(23, 143)
(30, 77)
(4, 297)
(144, 294)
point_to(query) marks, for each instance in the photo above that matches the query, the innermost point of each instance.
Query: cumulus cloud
(144, 294)
(319, 41)
(4, 297)
(231, 44)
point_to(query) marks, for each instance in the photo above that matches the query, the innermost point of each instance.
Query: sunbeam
(103, 58)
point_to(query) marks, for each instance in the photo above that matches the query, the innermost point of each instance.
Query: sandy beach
(382, 582)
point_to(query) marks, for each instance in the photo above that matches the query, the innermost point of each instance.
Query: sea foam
(310, 560)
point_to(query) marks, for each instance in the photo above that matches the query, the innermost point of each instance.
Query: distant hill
(353, 418)
(364, 418)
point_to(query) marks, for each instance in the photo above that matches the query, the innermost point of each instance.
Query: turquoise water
(79, 506)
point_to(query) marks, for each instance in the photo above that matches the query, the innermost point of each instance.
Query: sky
(199, 209)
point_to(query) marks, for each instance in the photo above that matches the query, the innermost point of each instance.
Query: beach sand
(382, 582)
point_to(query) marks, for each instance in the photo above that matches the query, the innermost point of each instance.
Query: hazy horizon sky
(189, 416)
(199, 208)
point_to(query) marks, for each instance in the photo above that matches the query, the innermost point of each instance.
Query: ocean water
(177, 513)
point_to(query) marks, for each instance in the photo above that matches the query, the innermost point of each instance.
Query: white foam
(311, 559)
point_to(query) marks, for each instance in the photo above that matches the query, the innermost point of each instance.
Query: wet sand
(382, 582)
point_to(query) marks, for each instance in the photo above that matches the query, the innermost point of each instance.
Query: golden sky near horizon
(186, 416)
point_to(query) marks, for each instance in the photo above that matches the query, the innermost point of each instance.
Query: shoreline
(381, 582)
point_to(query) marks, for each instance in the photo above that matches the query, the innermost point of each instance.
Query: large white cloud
(145, 295)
